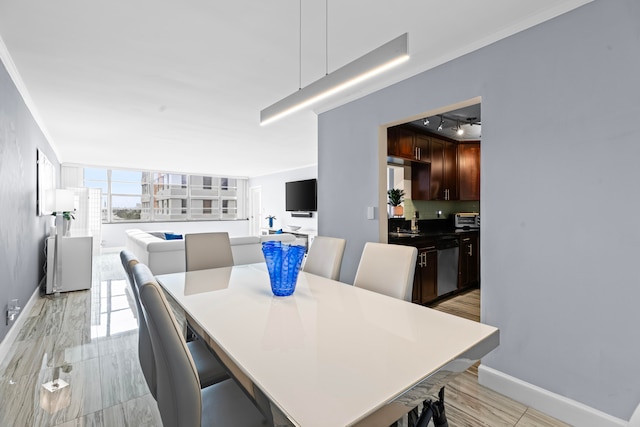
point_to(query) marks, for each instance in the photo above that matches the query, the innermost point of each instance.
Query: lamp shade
(64, 201)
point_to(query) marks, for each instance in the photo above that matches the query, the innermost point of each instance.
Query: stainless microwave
(466, 220)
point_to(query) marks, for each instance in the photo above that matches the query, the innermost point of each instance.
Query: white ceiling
(179, 86)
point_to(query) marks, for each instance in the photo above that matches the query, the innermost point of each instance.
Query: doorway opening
(434, 159)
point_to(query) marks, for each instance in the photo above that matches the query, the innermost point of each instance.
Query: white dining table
(330, 354)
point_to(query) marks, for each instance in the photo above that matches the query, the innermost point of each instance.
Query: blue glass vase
(283, 263)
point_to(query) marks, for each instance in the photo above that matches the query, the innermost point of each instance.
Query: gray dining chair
(145, 353)
(207, 250)
(387, 269)
(324, 257)
(209, 369)
(181, 401)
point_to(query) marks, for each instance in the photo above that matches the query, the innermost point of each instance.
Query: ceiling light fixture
(371, 64)
(426, 121)
(459, 130)
(441, 125)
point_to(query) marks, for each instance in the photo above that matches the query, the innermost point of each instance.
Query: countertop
(427, 236)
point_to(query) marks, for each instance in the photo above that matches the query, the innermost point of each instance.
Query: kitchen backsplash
(428, 209)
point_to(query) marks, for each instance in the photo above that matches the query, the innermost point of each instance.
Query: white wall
(560, 152)
(273, 197)
(113, 235)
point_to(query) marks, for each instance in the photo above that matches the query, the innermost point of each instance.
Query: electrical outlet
(13, 309)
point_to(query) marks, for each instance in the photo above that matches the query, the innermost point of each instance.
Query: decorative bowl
(293, 227)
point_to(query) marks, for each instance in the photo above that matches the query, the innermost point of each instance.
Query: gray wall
(22, 231)
(560, 153)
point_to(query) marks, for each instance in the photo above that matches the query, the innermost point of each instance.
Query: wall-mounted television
(301, 196)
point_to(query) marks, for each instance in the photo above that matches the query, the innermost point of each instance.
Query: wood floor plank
(467, 395)
(533, 418)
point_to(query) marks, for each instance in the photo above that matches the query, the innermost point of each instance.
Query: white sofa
(167, 256)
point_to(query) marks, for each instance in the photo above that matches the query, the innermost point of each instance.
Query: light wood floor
(89, 339)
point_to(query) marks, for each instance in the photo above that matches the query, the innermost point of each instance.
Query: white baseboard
(11, 336)
(552, 404)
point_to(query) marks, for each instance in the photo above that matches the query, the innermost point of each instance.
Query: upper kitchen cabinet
(407, 144)
(444, 170)
(469, 170)
(423, 147)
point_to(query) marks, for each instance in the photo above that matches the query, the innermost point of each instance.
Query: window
(129, 195)
(126, 195)
(98, 178)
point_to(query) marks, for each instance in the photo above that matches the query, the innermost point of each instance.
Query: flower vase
(283, 263)
(270, 222)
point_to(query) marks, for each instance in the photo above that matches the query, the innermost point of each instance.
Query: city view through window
(129, 195)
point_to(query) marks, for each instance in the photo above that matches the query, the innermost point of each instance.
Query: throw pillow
(171, 236)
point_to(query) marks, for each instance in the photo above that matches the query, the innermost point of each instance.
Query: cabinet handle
(470, 249)
(423, 259)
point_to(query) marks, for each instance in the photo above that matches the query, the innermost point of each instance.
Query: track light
(426, 121)
(459, 130)
(441, 125)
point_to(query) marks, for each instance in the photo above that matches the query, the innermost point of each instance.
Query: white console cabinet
(75, 263)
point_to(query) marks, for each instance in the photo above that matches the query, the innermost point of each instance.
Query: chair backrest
(145, 351)
(325, 257)
(207, 250)
(178, 387)
(128, 260)
(387, 269)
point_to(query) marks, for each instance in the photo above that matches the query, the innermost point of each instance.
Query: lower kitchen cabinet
(425, 282)
(469, 261)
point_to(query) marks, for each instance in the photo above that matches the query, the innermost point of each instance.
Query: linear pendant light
(373, 63)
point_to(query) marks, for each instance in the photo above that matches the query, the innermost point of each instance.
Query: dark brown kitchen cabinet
(469, 170)
(420, 181)
(425, 281)
(400, 143)
(422, 147)
(469, 270)
(408, 144)
(444, 170)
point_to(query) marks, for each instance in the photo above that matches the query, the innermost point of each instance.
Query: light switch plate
(371, 212)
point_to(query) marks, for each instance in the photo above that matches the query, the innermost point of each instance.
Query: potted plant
(396, 197)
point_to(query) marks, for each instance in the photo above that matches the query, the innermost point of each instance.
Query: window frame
(204, 188)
